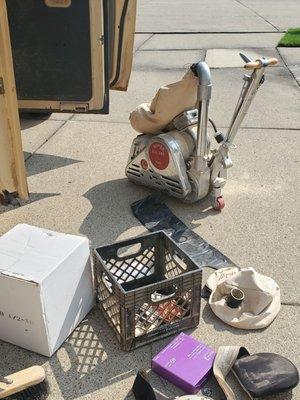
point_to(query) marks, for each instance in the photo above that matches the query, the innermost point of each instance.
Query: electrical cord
(219, 136)
(213, 125)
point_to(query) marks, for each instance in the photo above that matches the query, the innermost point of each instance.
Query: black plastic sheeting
(155, 215)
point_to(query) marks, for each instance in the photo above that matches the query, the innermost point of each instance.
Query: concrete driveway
(76, 164)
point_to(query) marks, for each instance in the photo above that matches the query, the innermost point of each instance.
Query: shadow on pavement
(91, 359)
(14, 358)
(39, 163)
(28, 120)
(111, 202)
(33, 197)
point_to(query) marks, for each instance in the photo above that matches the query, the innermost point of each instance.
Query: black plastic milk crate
(147, 288)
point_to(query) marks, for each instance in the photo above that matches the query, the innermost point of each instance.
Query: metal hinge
(2, 91)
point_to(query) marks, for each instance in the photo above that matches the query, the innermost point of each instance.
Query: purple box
(185, 362)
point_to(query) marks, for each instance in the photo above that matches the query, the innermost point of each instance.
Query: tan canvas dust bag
(260, 305)
(168, 102)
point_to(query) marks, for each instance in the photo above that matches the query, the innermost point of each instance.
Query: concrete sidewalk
(76, 178)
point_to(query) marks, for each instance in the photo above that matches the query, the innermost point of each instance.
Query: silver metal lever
(245, 58)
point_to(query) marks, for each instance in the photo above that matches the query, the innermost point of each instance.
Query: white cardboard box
(46, 287)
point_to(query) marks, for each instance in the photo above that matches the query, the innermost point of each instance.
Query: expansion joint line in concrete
(288, 68)
(144, 42)
(50, 137)
(205, 32)
(256, 13)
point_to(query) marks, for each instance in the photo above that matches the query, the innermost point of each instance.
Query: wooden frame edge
(12, 164)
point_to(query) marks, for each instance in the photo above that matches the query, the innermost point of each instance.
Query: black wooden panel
(51, 50)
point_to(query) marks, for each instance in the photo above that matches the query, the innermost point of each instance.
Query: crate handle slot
(179, 260)
(157, 297)
(129, 250)
(107, 283)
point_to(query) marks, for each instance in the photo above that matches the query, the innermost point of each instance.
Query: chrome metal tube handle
(202, 71)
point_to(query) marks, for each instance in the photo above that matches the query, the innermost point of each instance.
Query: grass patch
(291, 38)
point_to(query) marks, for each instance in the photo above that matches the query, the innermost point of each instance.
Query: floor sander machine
(174, 153)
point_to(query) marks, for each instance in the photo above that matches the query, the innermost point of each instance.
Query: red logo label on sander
(159, 155)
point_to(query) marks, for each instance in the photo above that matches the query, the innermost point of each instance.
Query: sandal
(259, 375)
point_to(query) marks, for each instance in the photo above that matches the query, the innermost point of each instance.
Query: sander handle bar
(202, 71)
(259, 63)
(249, 89)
